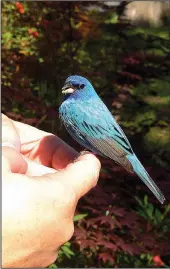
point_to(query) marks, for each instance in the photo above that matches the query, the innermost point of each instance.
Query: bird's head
(77, 86)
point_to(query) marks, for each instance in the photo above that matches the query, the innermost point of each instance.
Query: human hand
(41, 188)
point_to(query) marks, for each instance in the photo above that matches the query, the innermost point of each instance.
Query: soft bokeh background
(124, 50)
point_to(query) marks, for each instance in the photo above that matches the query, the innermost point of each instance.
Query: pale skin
(42, 182)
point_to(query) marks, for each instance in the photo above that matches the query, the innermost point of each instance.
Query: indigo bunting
(91, 124)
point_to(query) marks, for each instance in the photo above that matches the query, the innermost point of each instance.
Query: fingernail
(8, 144)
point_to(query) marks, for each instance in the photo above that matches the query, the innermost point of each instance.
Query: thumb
(80, 176)
(10, 137)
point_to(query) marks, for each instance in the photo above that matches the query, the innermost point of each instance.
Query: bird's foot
(82, 153)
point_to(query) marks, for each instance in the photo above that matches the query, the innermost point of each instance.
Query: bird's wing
(92, 125)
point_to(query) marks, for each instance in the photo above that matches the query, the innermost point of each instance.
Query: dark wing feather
(108, 148)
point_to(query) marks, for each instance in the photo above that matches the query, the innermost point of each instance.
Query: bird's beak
(68, 88)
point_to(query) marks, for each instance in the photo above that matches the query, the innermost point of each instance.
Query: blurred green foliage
(43, 43)
(153, 215)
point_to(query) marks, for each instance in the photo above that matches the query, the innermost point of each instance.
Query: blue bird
(91, 124)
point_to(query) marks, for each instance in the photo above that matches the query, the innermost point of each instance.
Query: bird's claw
(82, 153)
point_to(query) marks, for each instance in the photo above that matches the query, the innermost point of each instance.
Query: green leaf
(68, 244)
(79, 217)
(150, 210)
(167, 209)
(67, 251)
(158, 215)
(145, 199)
(52, 266)
(139, 201)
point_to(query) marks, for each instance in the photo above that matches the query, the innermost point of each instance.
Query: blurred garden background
(124, 50)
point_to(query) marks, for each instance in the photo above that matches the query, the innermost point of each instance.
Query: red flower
(35, 33)
(157, 261)
(18, 5)
(32, 32)
(21, 10)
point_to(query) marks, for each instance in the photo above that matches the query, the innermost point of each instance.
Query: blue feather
(144, 176)
(91, 124)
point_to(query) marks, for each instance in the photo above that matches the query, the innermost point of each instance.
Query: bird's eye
(82, 86)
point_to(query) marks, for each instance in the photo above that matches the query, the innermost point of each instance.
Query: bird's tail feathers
(144, 176)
